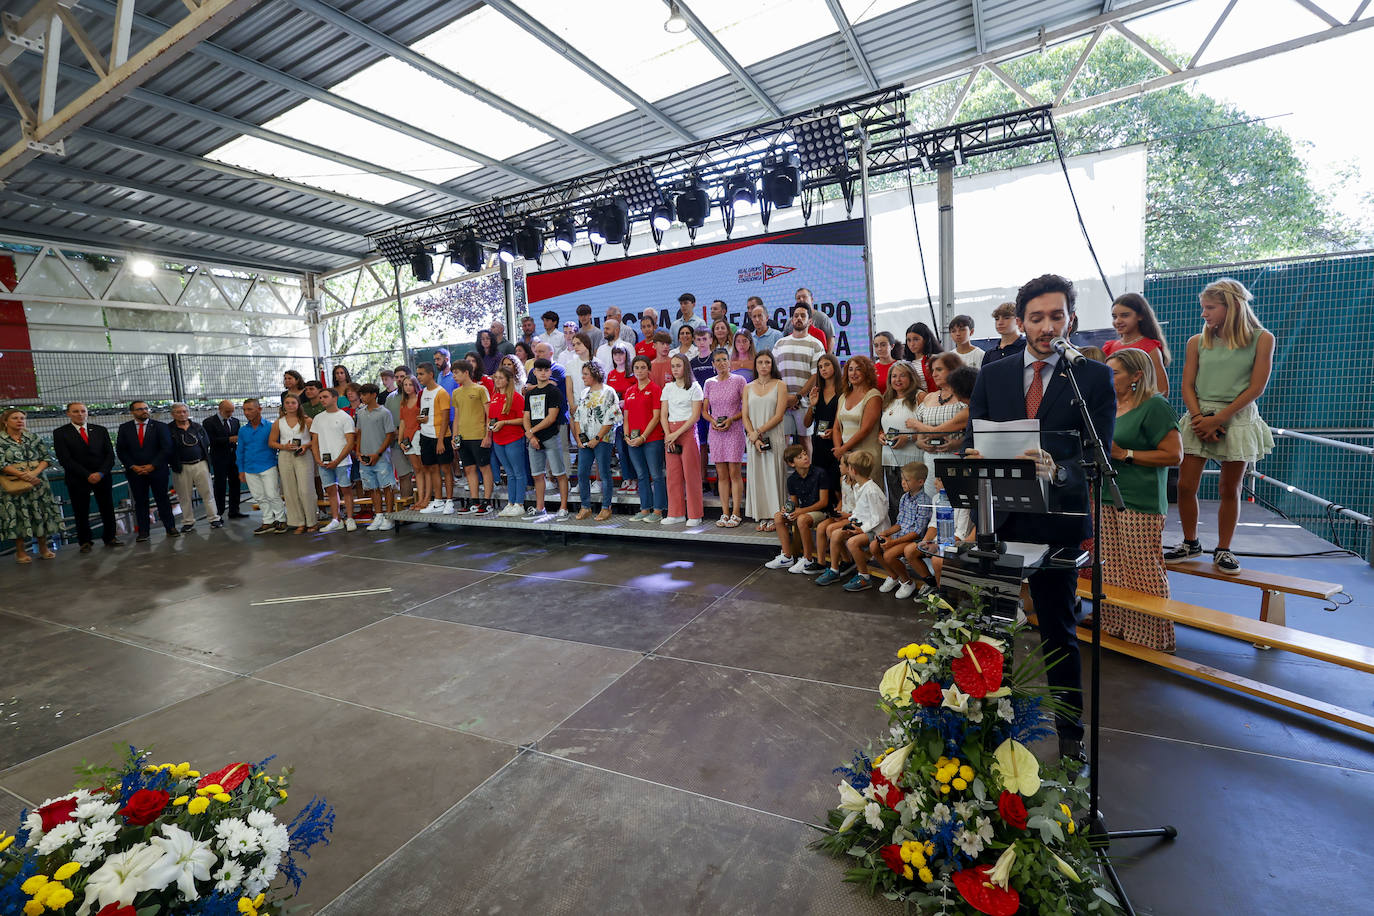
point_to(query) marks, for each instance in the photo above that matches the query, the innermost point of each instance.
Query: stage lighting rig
(490, 220)
(693, 204)
(740, 189)
(395, 249)
(529, 240)
(662, 216)
(782, 179)
(608, 223)
(564, 233)
(467, 251)
(675, 24)
(640, 187)
(506, 249)
(421, 264)
(820, 144)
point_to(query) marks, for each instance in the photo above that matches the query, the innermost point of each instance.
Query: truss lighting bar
(489, 219)
(395, 249)
(640, 188)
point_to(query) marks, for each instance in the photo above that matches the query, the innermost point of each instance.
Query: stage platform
(619, 525)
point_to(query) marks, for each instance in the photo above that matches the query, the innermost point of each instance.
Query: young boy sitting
(868, 516)
(807, 498)
(839, 516)
(915, 523)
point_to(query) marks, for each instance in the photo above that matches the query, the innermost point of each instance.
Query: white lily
(894, 763)
(852, 803)
(1001, 872)
(873, 814)
(955, 699)
(185, 860)
(1064, 867)
(120, 878)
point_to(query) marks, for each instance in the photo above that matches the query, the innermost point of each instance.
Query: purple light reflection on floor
(312, 557)
(658, 582)
(679, 564)
(593, 557)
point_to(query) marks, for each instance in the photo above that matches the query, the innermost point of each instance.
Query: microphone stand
(1097, 468)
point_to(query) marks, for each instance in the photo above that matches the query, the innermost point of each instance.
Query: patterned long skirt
(1133, 558)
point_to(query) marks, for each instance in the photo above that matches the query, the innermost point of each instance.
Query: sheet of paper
(1030, 554)
(1006, 440)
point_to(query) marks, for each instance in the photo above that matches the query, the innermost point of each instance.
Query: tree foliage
(1220, 185)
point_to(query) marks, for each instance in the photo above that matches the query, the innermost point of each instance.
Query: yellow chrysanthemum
(33, 885)
(944, 790)
(66, 871)
(198, 805)
(223, 797)
(282, 793)
(907, 873)
(180, 800)
(33, 908)
(966, 773)
(959, 784)
(58, 897)
(926, 875)
(246, 907)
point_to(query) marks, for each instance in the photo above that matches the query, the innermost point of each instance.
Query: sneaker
(334, 525)
(813, 567)
(511, 511)
(561, 515)
(596, 486)
(190, 527)
(693, 522)
(1184, 551)
(798, 567)
(261, 529)
(534, 511)
(375, 523)
(1225, 561)
(448, 507)
(386, 525)
(485, 509)
(859, 583)
(845, 569)
(829, 577)
(674, 519)
(474, 507)
(280, 527)
(906, 590)
(655, 518)
(350, 525)
(217, 523)
(781, 561)
(926, 591)
(641, 515)
(889, 585)
(433, 508)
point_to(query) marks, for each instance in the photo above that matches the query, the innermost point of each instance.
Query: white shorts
(794, 423)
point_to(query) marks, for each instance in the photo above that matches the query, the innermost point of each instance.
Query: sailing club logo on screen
(763, 273)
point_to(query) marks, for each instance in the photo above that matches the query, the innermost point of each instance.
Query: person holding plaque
(1035, 385)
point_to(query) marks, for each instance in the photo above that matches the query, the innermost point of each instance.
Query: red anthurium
(928, 694)
(892, 855)
(891, 795)
(1012, 809)
(984, 896)
(117, 909)
(978, 672)
(58, 812)
(229, 778)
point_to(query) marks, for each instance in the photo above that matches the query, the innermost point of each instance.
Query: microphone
(1071, 354)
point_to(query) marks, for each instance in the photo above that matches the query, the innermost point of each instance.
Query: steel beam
(148, 187)
(550, 38)
(387, 44)
(238, 125)
(130, 216)
(856, 50)
(979, 41)
(717, 49)
(1150, 50)
(161, 52)
(222, 55)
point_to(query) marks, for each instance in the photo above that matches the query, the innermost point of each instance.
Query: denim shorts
(552, 458)
(378, 476)
(339, 475)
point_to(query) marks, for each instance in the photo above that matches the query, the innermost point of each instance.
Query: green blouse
(30, 447)
(1142, 428)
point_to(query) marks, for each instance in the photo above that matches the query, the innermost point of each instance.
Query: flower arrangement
(161, 839)
(957, 816)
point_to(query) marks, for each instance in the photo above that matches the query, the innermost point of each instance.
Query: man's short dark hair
(550, 316)
(792, 453)
(388, 373)
(663, 337)
(73, 404)
(801, 305)
(405, 369)
(584, 309)
(1045, 283)
(542, 363)
(687, 297)
(961, 321)
(368, 388)
(462, 367)
(254, 401)
(961, 382)
(428, 367)
(313, 383)
(133, 404)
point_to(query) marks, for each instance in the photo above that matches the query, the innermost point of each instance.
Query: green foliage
(1220, 186)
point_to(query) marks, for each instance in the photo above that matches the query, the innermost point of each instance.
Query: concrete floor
(621, 727)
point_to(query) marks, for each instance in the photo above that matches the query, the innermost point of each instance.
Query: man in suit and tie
(223, 430)
(87, 458)
(1034, 384)
(144, 446)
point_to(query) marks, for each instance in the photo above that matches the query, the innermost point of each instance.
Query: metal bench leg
(1272, 610)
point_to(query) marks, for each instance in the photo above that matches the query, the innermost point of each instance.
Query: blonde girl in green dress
(1227, 369)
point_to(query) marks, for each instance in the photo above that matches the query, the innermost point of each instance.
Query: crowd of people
(836, 457)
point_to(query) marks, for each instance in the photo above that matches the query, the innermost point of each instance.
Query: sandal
(733, 522)
(604, 515)
(300, 529)
(22, 558)
(768, 526)
(759, 527)
(723, 521)
(48, 555)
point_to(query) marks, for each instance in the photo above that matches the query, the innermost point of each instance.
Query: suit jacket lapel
(1057, 388)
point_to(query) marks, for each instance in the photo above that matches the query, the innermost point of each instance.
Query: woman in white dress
(765, 405)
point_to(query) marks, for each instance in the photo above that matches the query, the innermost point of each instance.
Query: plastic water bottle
(944, 520)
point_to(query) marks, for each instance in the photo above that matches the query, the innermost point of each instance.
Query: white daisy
(98, 833)
(275, 841)
(1004, 710)
(236, 838)
(228, 877)
(261, 820)
(259, 876)
(34, 825)
(969, 842)
(95, 810)
(86, 854)
(872, 814)
(58, 837)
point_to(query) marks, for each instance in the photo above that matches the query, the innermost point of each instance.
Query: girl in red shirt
(619, 380)
(1138, 328)
(644, 436)
(506, 439)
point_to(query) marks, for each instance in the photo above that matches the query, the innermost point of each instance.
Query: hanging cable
(1063, 165)
(920, 250)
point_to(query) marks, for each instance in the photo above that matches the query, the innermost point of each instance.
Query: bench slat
(1324, 648)
(1292, 585)
(1235, 682)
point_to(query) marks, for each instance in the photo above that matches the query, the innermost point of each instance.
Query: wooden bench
(1268, 633)
(1273, 586)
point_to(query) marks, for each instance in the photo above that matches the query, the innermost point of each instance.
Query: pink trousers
(684, 475)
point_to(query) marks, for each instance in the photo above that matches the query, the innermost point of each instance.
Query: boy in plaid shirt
(915, 523)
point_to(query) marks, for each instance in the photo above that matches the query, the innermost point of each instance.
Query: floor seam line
(123, 641)
(1238, 750)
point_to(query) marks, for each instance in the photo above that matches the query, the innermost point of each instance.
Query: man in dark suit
(87, 458)
(1035, 384)
(223, 430)
(144, 446)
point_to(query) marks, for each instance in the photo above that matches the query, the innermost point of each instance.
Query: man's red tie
(1036, 391)
(1036, 386)
(84, 437)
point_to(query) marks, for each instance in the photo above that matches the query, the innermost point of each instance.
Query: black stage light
(782, 180)
(615, 220)
(422, 265)
(596, 232)
(661, 218)
(529, 240)
(469, 253)
(506, 250)
(693, 205)
(564, 233)
(739, 189)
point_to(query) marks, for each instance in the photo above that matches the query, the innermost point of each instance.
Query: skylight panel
(284, 162)
(756, 31)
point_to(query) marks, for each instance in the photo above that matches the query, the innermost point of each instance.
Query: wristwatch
(1130, 456)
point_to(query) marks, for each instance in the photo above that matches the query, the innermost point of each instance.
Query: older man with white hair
(223, 430)
(191, 468)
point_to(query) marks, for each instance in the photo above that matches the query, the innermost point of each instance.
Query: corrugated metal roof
(898, 46)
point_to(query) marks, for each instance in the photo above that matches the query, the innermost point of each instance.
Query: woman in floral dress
(33, 513)
(725, 412)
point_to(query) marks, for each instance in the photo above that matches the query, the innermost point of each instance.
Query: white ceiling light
(675, 24)
(142, 267)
